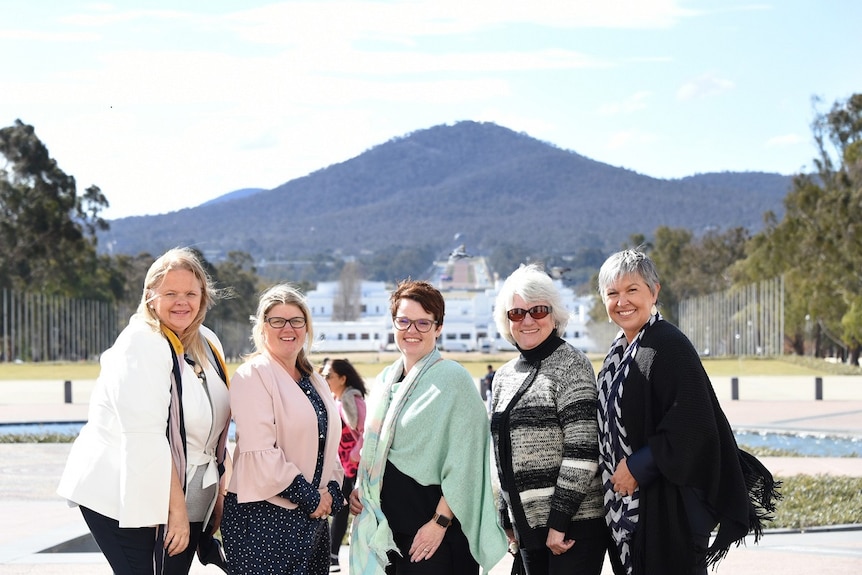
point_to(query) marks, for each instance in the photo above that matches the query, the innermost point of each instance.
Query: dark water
(805, 444)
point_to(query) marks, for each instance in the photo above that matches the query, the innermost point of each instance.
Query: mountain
(234, 195)
(489, 184)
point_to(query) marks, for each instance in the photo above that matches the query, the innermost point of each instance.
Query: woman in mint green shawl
(423, 493)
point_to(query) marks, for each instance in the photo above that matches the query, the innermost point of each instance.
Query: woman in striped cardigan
(545, 434)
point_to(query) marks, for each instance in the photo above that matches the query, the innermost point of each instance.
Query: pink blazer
(276, 432)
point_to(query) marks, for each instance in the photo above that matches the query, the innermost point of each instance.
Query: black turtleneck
(535, 355)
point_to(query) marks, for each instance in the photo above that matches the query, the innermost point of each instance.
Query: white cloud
(703, 86)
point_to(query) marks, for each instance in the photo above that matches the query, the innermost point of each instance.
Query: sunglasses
(536, 312)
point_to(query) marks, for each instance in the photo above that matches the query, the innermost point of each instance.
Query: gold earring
(653, 310)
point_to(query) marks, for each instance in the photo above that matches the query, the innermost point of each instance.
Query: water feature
(805, 444)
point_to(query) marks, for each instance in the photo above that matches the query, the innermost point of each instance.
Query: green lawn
(370, 364)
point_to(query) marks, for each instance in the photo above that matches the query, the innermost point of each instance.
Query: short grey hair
(533, 284)
(626, 262)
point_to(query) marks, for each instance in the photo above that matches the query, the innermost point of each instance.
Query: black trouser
(339, 520)
(453, 557)
(586, 557)
(131, 550)
(700, 519)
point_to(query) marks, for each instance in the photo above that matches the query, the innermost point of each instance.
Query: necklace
(199, 371)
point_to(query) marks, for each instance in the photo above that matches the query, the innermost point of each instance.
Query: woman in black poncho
(671, 468)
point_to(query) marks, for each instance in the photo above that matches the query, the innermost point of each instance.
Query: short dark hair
(422, 293)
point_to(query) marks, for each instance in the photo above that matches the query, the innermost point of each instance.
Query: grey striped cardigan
(546, 445)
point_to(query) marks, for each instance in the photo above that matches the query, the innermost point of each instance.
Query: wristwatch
(442, 520)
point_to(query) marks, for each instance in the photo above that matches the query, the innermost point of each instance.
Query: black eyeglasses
(280, 322)
(421, 325)
(536, 312)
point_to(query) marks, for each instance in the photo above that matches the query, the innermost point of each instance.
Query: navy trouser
(131, 550)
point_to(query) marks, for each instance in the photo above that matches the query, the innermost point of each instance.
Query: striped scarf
(621, 513)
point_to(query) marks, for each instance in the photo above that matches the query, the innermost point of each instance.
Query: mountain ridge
(486, 182)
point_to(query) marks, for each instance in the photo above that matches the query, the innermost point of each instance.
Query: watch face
(442, 520)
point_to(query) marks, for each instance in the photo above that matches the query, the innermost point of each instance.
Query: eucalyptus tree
(47, 229)
(818, 243)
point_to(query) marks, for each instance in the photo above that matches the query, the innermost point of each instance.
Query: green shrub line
(818, 501)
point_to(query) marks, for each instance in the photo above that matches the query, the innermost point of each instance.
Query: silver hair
(534, 285)
(626, 262)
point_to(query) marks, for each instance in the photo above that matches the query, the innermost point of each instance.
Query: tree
(668, 251)
(237, 277)
(348, 294)
(818, 243)
(48, 231)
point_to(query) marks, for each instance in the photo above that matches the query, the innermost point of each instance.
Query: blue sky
(167, 104)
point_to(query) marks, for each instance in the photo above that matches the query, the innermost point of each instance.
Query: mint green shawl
(434, 427)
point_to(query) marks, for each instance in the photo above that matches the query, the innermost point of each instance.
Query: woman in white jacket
(146, 468)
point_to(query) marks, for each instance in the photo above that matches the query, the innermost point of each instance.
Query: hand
(355, 503)
(513, 541)
(623, 481)
(557, 542)
(218, 512)
(324, 508)
(178, 530)
(510, 535)
(338, 501)
(426, 541)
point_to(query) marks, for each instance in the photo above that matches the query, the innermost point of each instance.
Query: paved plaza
(34, 519)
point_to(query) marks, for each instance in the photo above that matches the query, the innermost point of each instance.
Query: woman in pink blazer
(286, 477)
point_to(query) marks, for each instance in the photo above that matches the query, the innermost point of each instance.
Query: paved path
(33, 518)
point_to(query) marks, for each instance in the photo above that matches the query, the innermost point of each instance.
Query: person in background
(348, 389)
(286, 478)
(485, 387)
(543, 423)
(423, 495)
(146, 495)
(670, 465)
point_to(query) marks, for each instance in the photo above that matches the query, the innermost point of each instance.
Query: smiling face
(530, 332)
(286, 342)
(177, 300)
(629, 302)
(413, 344)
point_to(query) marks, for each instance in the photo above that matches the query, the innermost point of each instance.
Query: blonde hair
(180, 259)
(282, 294)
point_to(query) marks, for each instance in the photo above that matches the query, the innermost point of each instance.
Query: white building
(470, 293)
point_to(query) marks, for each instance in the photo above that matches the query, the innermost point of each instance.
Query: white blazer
(120, 464)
